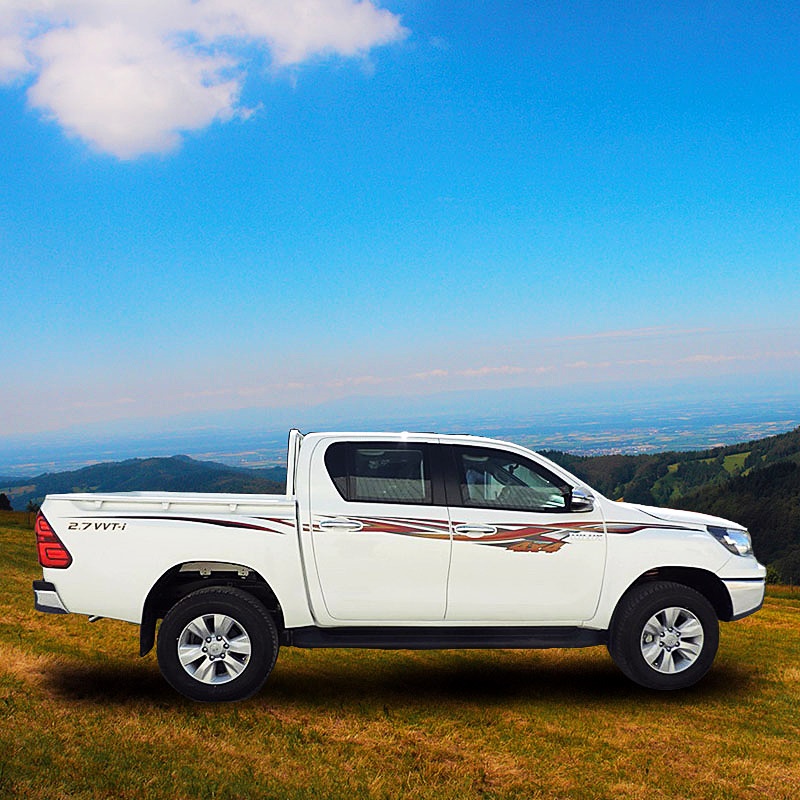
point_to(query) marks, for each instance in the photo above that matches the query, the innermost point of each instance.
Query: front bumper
(747, 595)
(46, 599)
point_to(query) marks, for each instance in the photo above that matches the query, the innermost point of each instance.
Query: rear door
(379, 530)
(520, 553)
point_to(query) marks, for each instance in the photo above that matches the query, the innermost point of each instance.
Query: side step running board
(441, 638)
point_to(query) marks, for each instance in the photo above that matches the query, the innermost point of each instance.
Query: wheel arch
(183, 579)
(706, 583)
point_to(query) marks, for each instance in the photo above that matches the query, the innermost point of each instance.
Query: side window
(380, 472)
(491, 478)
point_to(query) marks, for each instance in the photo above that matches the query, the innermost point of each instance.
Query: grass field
(84, 717)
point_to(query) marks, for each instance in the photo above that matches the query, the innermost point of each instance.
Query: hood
(681, 517)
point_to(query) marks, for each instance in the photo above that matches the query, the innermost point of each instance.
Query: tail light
(52, 552)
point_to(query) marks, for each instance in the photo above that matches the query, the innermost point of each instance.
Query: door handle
(475, 531)
(340, 524)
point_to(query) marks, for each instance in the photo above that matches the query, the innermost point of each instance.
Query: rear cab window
(381, 472)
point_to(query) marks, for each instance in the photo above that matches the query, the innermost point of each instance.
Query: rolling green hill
(664, 478)
(175, 474)
(755, 483)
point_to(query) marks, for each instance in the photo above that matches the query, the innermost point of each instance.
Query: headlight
(734, 539)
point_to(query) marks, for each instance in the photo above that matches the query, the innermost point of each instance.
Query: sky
(228, 204)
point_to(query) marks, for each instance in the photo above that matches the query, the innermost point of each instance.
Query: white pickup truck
(398, 540)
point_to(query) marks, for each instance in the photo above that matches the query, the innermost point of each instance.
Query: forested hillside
(767, 501)
(755, 483)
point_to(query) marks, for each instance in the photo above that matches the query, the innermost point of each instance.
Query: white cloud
(479, 372)
(130, 77)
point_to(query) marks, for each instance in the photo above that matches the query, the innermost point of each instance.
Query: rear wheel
(664, 635)
(217, 644)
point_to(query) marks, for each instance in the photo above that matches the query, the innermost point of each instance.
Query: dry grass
(84, 717)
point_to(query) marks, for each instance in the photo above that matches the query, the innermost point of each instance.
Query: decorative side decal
(522, 538)
(403, 526)
(537, 539)
(273, 524)
(635, 527)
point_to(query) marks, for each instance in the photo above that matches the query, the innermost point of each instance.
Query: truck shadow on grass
(490, 684)
(409, 684)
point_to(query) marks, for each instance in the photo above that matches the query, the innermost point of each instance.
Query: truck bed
(189, 502)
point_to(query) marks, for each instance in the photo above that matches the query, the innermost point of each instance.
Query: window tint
(380, 472)
(496, 479)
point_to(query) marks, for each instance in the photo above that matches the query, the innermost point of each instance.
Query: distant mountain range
(755, 483)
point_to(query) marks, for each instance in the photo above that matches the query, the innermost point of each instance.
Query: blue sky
(217, 205)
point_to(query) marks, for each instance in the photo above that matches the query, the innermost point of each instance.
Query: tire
(664, 635)
(217, 644)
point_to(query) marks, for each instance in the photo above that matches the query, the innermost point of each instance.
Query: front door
(380, 532)
(520, 554)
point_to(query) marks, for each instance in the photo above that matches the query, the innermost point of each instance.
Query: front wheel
(664, 635)
(217, 644)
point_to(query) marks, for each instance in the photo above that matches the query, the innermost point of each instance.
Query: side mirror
(581, 500)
